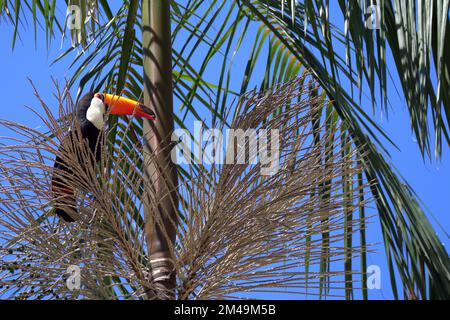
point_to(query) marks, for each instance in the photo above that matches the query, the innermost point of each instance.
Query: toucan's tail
(64, 196)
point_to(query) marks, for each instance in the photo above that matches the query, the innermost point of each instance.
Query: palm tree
(288, 38)
(241, 231)
(158, 93)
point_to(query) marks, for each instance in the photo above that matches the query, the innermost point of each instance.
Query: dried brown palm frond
(239, 231)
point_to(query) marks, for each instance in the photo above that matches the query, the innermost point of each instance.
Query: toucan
(90, 117)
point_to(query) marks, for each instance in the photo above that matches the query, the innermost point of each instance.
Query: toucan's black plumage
(65, 195)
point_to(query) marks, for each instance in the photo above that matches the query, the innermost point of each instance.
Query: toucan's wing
(62, 188)
(63, 192)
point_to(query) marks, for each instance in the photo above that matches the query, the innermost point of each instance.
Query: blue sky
(431, 180)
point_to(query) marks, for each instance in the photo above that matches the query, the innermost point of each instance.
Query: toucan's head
(121, 106)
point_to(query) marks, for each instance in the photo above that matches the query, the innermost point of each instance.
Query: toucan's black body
(64, 194)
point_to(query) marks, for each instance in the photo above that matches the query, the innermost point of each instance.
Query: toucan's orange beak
(121, 106)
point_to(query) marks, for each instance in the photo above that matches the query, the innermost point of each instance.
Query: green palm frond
(416, 32)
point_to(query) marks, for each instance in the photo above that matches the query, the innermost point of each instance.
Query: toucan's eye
(100, 96)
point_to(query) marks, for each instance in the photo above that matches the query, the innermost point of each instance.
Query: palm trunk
(161, 219)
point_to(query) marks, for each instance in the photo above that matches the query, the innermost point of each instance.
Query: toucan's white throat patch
(96, 113)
